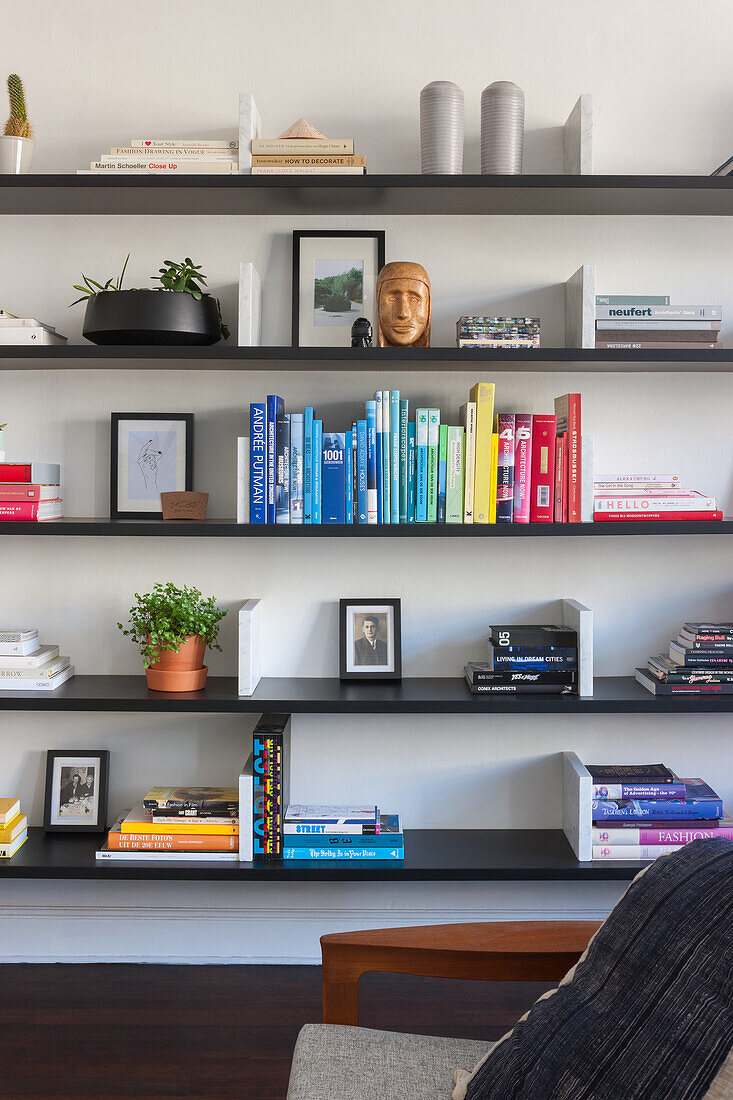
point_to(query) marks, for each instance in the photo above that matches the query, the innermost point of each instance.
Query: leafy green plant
(185, 278)
(167, 616)
(3, 425)
(17, 124)
(92, 287)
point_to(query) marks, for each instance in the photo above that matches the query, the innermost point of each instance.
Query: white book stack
(26, 665)
(167, 157)
(27, 330)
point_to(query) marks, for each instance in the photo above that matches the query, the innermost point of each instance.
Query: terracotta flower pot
(182, 671)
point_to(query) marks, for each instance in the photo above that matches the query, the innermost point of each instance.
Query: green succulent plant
(164, 618)
(185, 278)
(17, 124)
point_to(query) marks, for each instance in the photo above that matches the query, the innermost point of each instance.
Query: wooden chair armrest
(501, 951)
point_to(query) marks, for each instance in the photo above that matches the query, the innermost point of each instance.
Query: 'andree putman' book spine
(371, 427)
(334, 478)
(282, 468)
(308, 465)
(275, 406)
(505, 468)
(522, 466)
(257, 462)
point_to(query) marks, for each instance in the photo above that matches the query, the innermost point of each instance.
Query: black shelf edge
(227, 357)
(436, 855)
(68, 193)
(229, 528)
(326, 695)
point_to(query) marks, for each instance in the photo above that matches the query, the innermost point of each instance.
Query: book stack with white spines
(642, 811)
(342, 833)
(27, 665)
(526, 660)
(653, 497)
(639, 322)
(27, 331)
(699, 662)
(498, 332)
(13, 827)
(178, 823)
(167, 157)
(304, 151)
(30, 492)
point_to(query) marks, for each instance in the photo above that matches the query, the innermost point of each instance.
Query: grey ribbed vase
(442, 118)
(502, 129)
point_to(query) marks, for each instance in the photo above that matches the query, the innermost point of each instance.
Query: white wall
(98, 75)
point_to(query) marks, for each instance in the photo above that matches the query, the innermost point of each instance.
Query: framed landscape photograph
(370, 640)
(77, 782)
(151, 453)
(334, 283)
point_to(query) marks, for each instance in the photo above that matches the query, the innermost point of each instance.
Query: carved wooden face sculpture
(403, 306)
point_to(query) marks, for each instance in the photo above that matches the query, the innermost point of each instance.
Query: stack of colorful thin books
(498, 332)
(342, 833)
(178, 823)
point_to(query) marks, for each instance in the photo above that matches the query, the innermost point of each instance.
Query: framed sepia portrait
(151, 453)
(370, 640)
(77, 782)
(334, 283)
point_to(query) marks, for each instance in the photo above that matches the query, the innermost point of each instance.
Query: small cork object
(191, 506)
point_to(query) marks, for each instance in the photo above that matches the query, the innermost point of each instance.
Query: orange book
(145, 842)
(140, 822)
(14, 828)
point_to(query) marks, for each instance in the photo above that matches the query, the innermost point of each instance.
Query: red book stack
(30, 491)
(652, 497)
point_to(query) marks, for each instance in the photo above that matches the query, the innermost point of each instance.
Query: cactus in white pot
(16, 143)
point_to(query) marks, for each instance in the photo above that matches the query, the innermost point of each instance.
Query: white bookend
(580, 619)
(249, 647)
(580, 308)
(243, 479)
(246, 812)
(250, 306)
(250, 127)
(586, 479)
(577, 806)
(577, 139)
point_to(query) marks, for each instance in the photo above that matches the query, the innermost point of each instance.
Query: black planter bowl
(151, 317)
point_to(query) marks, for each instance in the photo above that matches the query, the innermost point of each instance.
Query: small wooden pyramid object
(302, 129)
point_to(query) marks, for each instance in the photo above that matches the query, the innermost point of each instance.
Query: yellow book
(494, 476)
(7, 851)
(140, 821)
(483, 395)
(10, 831)
(9, 808)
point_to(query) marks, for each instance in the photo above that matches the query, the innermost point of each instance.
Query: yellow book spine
(468, 421)
(483, 395)
(7, 851)
(9, 832)
(149, 828)
(494, 476)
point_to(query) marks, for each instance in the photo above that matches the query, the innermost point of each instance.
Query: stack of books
(650, 321)
(387, 468)
(699, 662)
(30, 491)
(653, 497)
(526, 659)
(178, 823)
(27, 330)
(13, 827)
(342, 833)
(167, 156)
(304, 151)
(26, 665)
(498, 332)
(641, 811)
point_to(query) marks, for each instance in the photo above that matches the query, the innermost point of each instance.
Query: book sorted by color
(27, 665)
(636, 323)
(699, 662)
(167, 157)
(650, 497)
(30, 492)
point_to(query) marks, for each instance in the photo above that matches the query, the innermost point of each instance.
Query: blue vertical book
(421, 465)
(317, 471)
(386, 460)
(379, 456)
(404, 415)
(258, 462)
(349, 476)
(297, 435)
(334, 477)
(361, 471)
(371, 460)
(308, 465)
(282, 468)
(394, 455)
(411, 473)
(275, 406)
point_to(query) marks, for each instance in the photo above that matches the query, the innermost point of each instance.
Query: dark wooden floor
(209, 1032)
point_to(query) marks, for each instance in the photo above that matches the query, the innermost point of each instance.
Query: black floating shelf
(229, 528)
(437, 855)
(226, 357)
(300, 695)
(372, 194)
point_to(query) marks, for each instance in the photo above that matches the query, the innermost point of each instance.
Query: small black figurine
(361, 333)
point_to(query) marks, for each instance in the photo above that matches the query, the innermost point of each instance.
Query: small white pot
(2, 446)
(16, 154)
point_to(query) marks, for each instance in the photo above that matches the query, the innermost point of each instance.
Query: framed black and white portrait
(334, 283)
(77, 782)
(370, 640)
(151, 453)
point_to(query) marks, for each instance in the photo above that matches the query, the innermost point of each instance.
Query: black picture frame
(348, 672)
(83, 758)
(115, 511)
(300, 234)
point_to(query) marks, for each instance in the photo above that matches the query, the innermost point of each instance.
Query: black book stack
(699, 662)
(526, 659)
